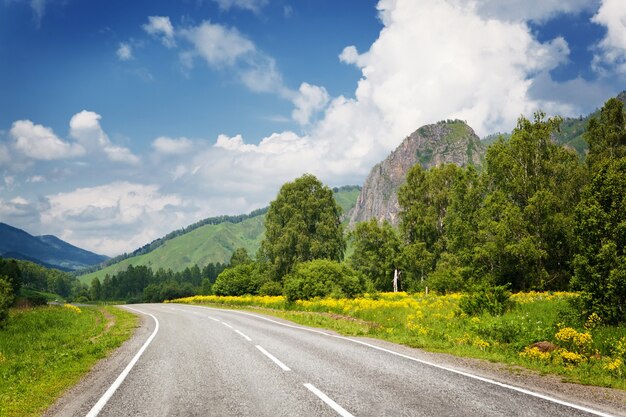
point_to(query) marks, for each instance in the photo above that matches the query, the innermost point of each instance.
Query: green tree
(606, 136)
(6, 299)
(96, 289)
(600, 265)
(376, 252)
(10, 269)
(302, 223)
(526, 223)
(240, 256)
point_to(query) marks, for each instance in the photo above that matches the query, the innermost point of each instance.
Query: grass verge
(46, 350)
(541, 332)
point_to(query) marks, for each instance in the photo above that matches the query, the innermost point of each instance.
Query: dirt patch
(110, 322)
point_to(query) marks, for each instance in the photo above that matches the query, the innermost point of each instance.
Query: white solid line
(95, 410)
(282, 324)
(213, 318)
(273, 358)
(227, 325)
(480, 378)
(243, 335)
(339, 409)
(468, 375)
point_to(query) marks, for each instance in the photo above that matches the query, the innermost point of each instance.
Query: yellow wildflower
(72, 308)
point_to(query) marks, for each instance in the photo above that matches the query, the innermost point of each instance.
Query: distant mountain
(49, 251)
(207, 241)
(571, 133)
(573, 129)
(451, 141)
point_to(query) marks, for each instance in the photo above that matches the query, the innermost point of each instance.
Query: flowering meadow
(541, 331)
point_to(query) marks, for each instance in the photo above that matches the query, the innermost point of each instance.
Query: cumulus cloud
(612, 49)
(251, 5)
(161, 26)
(112, 218)
(85, 128)
(125, 52)
(310, 100)
(475, 68)
(218, 45)
(170, 146)
(39, 142)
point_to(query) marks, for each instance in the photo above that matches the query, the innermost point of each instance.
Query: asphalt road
(197, 361)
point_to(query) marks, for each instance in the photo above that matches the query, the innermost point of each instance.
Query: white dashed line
(273, 358)
(339, 409)
(243, 335)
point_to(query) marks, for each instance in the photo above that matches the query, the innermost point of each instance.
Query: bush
(36, 300)
(6, 299)
(271, 288)
(494, 300)
(240, 280)
(322, 278)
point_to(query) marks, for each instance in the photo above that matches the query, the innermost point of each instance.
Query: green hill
(208, 243)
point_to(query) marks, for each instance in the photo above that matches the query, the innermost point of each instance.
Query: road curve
(198, 361)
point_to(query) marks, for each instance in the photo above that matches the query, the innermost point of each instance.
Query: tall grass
(586, 352)
(45, 350)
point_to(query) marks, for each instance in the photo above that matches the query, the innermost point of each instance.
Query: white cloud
(36, 179)
(85, 128)
(161, 26)
(170, 146)
(40, 142)
(112, 218)
(125, 52)
(310, 100)
(418, 71)
(223, 47)
(252, 5)
(612, 48)
(218, 45)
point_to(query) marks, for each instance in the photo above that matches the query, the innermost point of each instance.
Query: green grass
(46, 350)
(436, 323)
(206, 244)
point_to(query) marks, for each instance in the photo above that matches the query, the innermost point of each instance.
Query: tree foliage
(303, 223)
(6, 299)
(600, 263)
(376, 252)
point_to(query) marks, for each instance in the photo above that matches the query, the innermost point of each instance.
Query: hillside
(210, 243)
(49, 251)
(444, 142)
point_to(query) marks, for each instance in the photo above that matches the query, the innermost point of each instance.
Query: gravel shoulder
(78, 400)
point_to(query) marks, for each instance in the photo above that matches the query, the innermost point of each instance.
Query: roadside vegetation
(537, 330)
(46, 350)
(522, 260)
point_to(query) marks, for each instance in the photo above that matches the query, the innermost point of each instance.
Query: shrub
(36, 300)
(240, 280)
(484, 299)
(271, 288)
(6, 299)
(322, 278)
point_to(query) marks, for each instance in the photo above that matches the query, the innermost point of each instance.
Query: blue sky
(120, 121)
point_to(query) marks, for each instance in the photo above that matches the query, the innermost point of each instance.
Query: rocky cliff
(431, 145)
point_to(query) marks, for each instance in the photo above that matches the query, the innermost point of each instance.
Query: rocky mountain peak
(450, 141)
